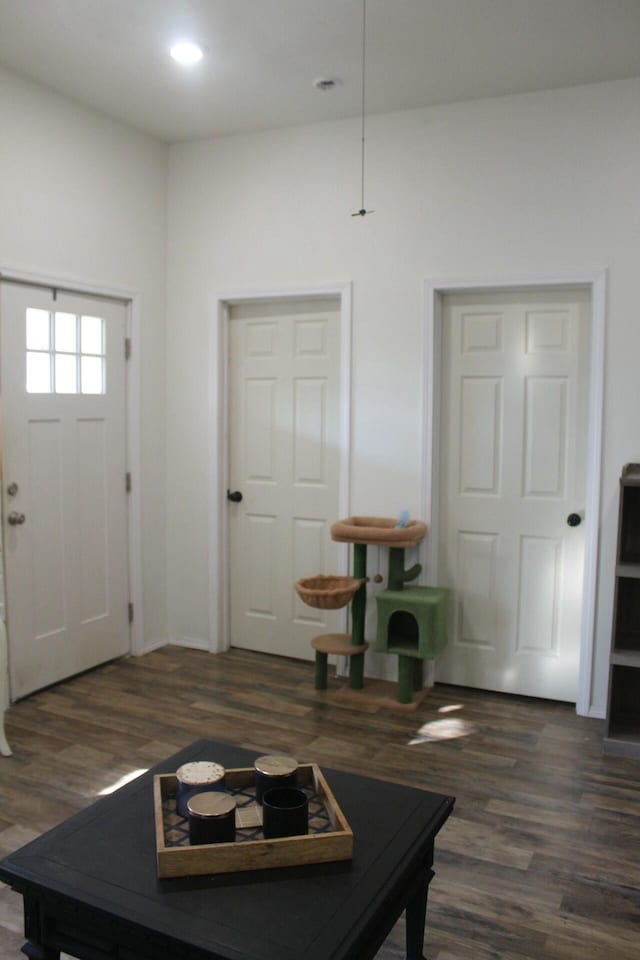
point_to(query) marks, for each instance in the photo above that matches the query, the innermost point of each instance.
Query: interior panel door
(284, 362)
(513, 432)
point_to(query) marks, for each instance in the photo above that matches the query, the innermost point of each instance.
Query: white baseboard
(193, 643)
(149, 647)
(597, 713)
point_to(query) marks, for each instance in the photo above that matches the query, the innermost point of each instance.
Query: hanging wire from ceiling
(362, 212)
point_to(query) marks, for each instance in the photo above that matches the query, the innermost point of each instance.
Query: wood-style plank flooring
(540, 860)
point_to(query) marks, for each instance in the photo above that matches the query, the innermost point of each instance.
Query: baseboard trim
(150, 647)
(193, 643)
(597, 713)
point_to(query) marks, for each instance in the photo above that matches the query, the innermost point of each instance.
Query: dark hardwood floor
(540, 860)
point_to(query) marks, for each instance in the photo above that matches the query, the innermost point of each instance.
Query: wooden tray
(329, 838)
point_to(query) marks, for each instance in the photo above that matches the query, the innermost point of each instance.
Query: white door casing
(513, 428)
(66, 566)
(284, 457)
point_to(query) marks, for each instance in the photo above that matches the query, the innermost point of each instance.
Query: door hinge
(127, 482)
(127, 348)
(130, 612)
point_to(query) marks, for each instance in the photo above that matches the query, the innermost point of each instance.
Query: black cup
(274, 771)
(212, 818)
(285, 813)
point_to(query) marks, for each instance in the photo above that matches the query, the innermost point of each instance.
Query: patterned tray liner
(248, 817)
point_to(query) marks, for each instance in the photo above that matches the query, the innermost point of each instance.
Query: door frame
(133, 306)
(596, 285)
(219, 614)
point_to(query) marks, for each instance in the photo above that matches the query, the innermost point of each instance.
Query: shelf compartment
(624, 706)
(629, 541)
(626, 633)
(630, 570)
(626, 658)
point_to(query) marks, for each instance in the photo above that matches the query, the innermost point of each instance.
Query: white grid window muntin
(65, 352)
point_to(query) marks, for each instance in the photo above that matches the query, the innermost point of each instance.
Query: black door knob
(574, 519)
(235, 497)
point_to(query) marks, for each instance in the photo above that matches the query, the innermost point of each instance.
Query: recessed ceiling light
(186, 52)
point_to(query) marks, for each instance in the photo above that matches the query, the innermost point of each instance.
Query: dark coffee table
(90, 886)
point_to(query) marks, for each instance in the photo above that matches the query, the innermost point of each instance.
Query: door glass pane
(66, 376)
(92, 335)
(92, 374)
(66, 333)
(38, 329)
(38, 373)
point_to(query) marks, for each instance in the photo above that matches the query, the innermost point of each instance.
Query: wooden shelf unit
(623, 710)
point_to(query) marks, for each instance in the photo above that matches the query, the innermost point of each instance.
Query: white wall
(83, 198)
(542, 184)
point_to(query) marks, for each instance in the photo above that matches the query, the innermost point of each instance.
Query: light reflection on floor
(449, 728)
(128, 777)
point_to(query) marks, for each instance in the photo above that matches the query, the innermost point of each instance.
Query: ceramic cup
(274, 771)
(285, 813)
(199, 776)
(212, 818)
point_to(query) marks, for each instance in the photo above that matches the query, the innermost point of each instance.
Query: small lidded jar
(200, 776)
(212, 818)
(274, 771)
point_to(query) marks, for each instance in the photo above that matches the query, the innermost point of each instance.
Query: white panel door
(64, 498)
(284, 362)
(512, 453)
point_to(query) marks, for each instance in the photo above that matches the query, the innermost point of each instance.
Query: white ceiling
(262, 55)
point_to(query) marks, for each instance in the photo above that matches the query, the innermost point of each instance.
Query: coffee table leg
(415, 915)
(34, 929)
(36, 952)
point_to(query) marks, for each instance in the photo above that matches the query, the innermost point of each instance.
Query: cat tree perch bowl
(328, 592)
(378, 532)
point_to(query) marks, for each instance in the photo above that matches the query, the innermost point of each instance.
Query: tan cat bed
(328, 592)
(378, 531)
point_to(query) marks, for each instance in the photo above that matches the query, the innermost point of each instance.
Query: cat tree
(412, 621)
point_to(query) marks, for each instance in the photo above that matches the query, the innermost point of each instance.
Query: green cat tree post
(358, 610)
(409, 669)
(398, 576)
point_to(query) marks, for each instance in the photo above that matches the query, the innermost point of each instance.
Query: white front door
(284, 398)
(63, 478)
(512, 454)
